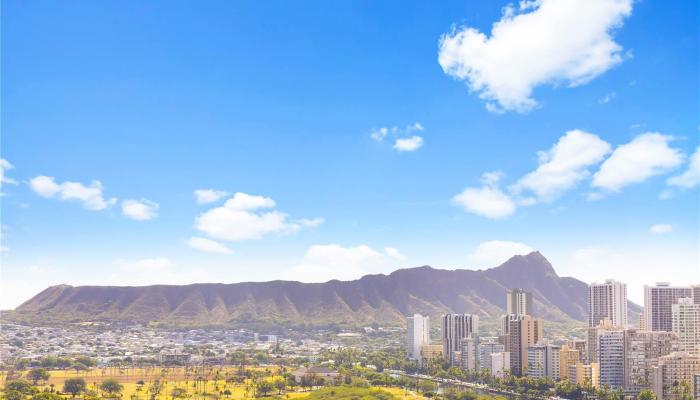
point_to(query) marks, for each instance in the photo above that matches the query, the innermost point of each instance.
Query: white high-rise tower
(607, 301)
(417, 335)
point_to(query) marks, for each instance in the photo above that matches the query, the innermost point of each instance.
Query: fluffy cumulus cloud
(412, 143)
(140, 210)
(4, 167)
(690, 178)
(488, 200)
(496, 252)
(245, 217)
(569, 162)
(564, 165)
(647, 155)
(206, 196)
(208, 245)
(322, 263)
(90, 196)
(146, 264)
(554, 42)
(660, 229)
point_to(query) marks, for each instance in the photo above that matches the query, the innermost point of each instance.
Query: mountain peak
(532, 263)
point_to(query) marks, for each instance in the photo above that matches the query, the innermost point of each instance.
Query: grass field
(193, 383)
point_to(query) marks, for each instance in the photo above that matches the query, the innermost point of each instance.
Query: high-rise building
(642, 352)
(568, 357)
(642, 324)
(611, 353)
(696, 293)
(607, 301)
(469, 354)
(543, 360)
(500, 364)
(488, 346)
(658, 301)
(685, 321)
(584, 374)
(672, 378)
(518, 302)
(593, 337)
(417, 335)
(523, 332)
(456, 327)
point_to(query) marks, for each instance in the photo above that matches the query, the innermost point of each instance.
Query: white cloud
(393, 253)
(243, 201)
(402, 142)
(91, 196)
(545, 42)
(488, 200)
(647, 155)
(607, 98)
(564, 165)
(205, 196)
(145, 265)
(208, 245)
(140, 210)
(310, 223)
(325, 262)
(379, 134)
(691, 177)
(412, 143)
(660, 229)
(495, 252)
(415, 127)
(4, 167)
(241, 218)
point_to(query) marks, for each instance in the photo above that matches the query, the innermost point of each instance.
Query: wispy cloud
(90, 196)
(660, 229)
(690, 178)
(404, 139)
(208, 245)
(206, 196)
(140, 210)
(4, 179)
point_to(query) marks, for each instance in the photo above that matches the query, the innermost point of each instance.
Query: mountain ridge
(376, 298)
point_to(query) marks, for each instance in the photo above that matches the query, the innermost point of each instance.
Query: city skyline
(350, 139)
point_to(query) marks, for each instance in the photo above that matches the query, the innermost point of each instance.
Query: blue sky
(285, 104)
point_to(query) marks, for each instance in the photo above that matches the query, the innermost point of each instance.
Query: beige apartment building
(523, 331)
(672, 378)
(642, 351)
(686, 324)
